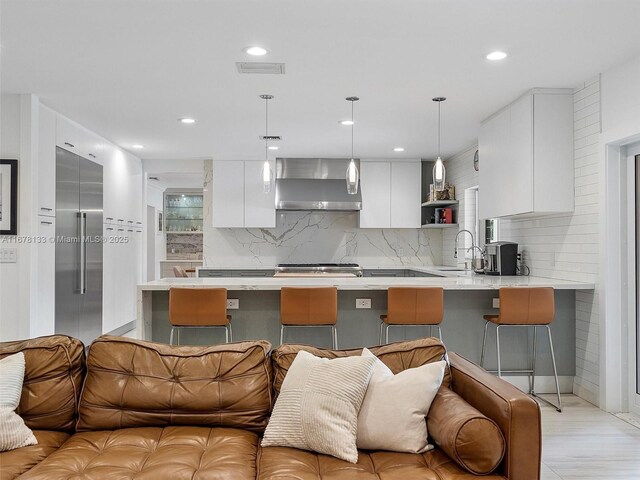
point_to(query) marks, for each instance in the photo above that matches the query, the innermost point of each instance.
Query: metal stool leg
(498, 349)
(334, 332)
(533, 367)
(230, 332)
(555, 371)
(439, 332)
(178, 329)
(171, 336)
(387, 334)
(226, 334)
(381, 333)
(484, 343)
(281, 334)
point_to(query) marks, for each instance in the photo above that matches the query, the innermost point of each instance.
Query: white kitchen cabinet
(45, 280)
(375, 187)
(122, 199)
(391, 193)
(67, 134)
(259, 207)
(91, 146)
(228, 194)
(46, 169)
(406, 187)
(526, 156)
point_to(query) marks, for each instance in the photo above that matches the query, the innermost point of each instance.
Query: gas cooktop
(353, 268)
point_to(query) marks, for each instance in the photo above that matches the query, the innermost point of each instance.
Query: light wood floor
(583, 442)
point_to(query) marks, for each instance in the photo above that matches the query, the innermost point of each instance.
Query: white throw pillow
(394, 410)
(318, 405)
(13, 432)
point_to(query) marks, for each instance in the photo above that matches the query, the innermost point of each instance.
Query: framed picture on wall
(8, 197)
(160, 222)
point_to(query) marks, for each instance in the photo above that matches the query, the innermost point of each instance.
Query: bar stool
(309, 307)
(525, 307)
(413, 307)
(198, 308)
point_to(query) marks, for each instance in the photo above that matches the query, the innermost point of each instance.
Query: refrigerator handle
(82, 281)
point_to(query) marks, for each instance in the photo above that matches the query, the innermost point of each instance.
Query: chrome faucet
(455, 252)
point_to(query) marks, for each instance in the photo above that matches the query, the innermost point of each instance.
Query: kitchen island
(467, 297)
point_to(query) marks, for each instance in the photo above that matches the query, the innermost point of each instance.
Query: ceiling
(129, 69)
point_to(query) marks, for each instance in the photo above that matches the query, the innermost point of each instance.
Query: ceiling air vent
(260, 67)
(270, 138)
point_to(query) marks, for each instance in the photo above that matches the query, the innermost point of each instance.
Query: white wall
(621, 96)
(18, 140)
(10, 327)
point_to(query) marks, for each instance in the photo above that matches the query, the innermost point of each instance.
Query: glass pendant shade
(267, 172)
(353, 177)
(267, 176)
(439, 174)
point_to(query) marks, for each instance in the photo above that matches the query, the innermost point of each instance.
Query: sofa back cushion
(133, 383)
(54, 369)
(397, 356)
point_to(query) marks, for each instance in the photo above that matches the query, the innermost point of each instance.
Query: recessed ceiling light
(347, 122)
(137, 146)
(497, 55)
(256, 51)
(398, 149)
(273, 147)
(187, 120)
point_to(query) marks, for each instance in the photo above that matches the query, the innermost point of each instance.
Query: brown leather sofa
(135, 409)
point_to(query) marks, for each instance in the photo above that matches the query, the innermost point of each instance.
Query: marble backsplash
(312, 237)
(184, 246)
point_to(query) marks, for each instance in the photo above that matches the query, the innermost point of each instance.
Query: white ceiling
(129, 69)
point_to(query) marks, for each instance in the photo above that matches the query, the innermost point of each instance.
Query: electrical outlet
(233, 304)
(495, 302)
(8, 255)
(363, 303)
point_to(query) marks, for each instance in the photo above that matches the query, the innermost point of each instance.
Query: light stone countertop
(449, 280)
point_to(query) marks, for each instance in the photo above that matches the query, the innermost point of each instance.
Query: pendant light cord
(439, 104)
(353, 124)
(266, 129)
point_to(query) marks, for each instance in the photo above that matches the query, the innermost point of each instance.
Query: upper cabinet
(526, 156)
(68, 134)
(390, 193)
(239, 200)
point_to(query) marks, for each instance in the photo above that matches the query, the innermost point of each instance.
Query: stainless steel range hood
(314, 184)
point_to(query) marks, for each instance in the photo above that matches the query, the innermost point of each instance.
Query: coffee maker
(501, 258)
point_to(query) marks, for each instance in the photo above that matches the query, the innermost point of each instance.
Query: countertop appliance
(315, 184)
(501, 258)
(79, 188)
(318, 269)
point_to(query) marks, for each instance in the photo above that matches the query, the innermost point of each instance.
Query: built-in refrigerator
(79, 190)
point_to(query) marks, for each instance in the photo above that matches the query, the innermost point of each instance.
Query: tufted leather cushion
(397, 356)
(54, 368)
(16, 462)
(173, 453)
(291, 464)
(133, 383)
(474, 441)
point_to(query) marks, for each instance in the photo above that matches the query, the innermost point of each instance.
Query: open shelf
(439, 225)
(440, 203)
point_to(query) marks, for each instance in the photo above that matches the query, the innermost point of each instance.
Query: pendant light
(352, 175)
(267, 171)
(439, 172)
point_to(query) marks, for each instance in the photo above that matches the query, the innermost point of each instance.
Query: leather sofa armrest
(516, 414)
